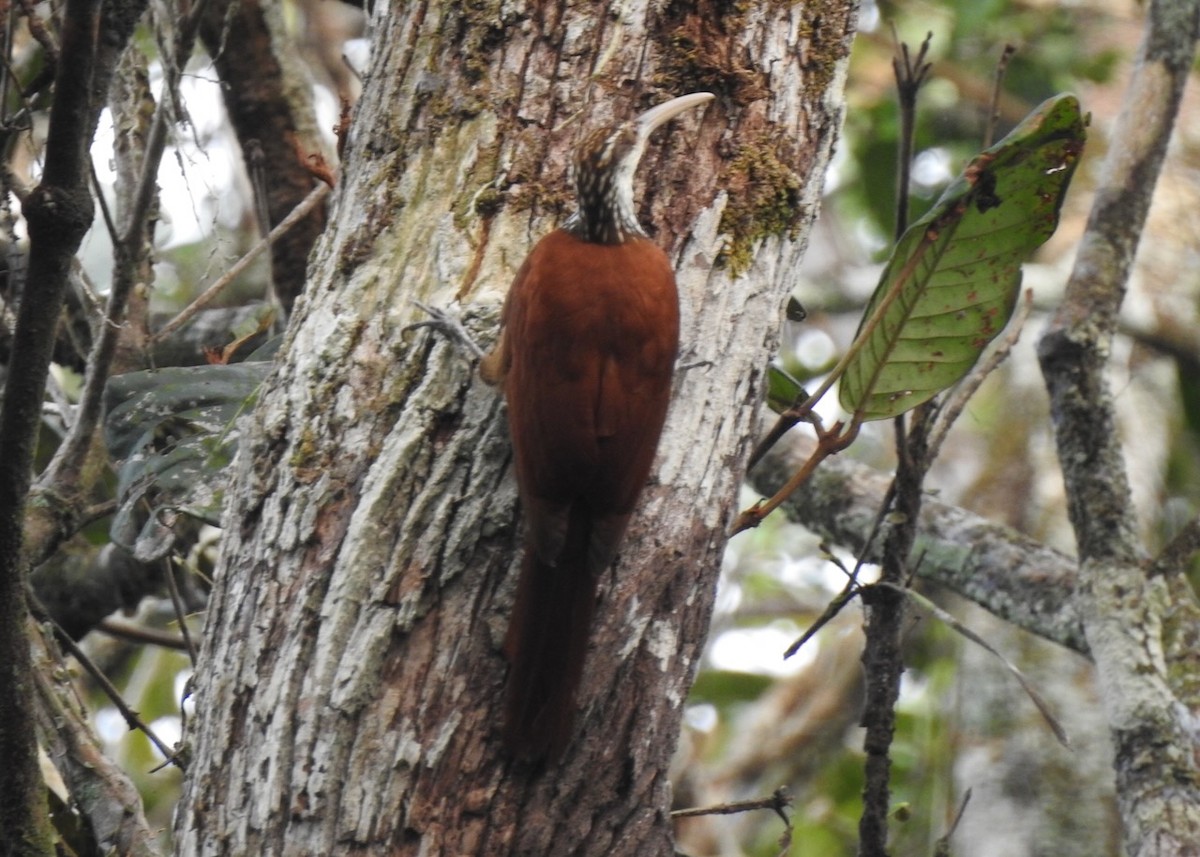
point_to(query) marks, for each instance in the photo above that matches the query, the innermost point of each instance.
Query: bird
(585, 358)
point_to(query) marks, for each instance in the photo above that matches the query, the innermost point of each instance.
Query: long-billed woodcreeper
(590, 334)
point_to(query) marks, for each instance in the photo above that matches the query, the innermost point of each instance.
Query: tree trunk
(351, 676)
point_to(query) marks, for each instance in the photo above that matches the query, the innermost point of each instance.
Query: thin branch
(180, 612)
(1038, 700)
(941, 848)
(778, 800)
(910, 75)
(142, 635)
(989, 133)
(297, 214)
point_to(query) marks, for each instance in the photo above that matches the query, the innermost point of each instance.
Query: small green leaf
(783, 391)
(953, 278)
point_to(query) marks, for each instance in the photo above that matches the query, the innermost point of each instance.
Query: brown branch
(142, 635)
(778, 800)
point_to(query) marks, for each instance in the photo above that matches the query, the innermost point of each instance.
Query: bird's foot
(448, 324)
(684, 365)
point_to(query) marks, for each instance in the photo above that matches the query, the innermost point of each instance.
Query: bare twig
(941, 848)
(297, 214)
(142, 634)
(989, 132)
(778, 801)
(1039, 702)
(910, 74)
(180, 612)
(832, 609)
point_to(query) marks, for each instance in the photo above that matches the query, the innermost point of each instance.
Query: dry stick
(294, 216)
(1044, 708)
(98, 193)
(140, 634)
(989, 132)
(778, 801)
(262, 215)
(909, 77)
(941, 848)
(180, 613)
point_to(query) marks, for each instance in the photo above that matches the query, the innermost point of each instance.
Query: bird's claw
(447, 323)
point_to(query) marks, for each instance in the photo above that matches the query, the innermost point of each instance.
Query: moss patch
(764, 199)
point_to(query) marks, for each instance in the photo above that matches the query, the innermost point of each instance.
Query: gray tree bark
(351, 672)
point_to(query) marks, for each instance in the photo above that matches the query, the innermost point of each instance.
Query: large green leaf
(954, 276)
(173, 431)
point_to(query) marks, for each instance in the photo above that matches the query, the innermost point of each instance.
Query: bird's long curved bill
(668, 110)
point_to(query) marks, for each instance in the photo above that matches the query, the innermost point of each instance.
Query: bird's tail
(546, 645)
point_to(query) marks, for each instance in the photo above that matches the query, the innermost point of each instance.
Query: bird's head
(603, 169)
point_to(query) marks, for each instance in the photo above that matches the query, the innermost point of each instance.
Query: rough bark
(1126, 612)
(352, 669)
